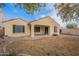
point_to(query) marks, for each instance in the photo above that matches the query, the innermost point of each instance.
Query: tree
(30, 8)
(1, 13)
(71, 25)
(2, 5)
(68, 11)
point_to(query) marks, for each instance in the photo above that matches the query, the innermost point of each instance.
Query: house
(19, 27)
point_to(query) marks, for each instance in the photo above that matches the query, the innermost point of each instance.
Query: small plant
(55, 34)
(48, 54)
(12, 52)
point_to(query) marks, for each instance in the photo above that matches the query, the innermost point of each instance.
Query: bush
(71, 25)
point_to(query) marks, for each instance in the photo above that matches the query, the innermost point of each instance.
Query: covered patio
(44, 26)
(37, 30)
(41, 30)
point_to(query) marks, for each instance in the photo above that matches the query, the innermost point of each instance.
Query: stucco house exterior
(42, 26)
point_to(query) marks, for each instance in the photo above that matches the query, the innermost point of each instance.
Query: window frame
(55, 29)
(37, 29)
(22, 29)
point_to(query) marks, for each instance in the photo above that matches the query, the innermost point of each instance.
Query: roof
(15, 19)
(33, 20)
(44, 18)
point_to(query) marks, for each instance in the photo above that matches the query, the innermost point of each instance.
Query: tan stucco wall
(47, 22)
(9, 30)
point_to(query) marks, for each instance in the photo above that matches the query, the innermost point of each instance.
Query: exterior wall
(9, 30)
(66, 31)
(29, 28)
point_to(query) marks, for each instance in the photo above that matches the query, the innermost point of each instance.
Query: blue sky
(11, 12)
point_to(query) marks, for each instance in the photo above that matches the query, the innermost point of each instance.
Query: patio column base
(32, 35)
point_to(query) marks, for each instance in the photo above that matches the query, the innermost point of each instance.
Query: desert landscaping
(66, 45)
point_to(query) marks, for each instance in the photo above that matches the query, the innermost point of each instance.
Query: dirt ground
(62, 45)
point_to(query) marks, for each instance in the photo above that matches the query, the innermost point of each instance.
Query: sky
(11, 12)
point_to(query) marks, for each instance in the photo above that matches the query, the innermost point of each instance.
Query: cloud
(42, 16)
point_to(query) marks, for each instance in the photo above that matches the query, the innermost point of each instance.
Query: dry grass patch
(55, 45)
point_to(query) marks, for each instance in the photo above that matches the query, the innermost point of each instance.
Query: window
(55, 29)
(36, 29)
(18, 28)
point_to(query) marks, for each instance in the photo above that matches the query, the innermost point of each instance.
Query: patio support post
(32, 30)
(50, 30)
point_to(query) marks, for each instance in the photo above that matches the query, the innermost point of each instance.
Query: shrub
(71, 25)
